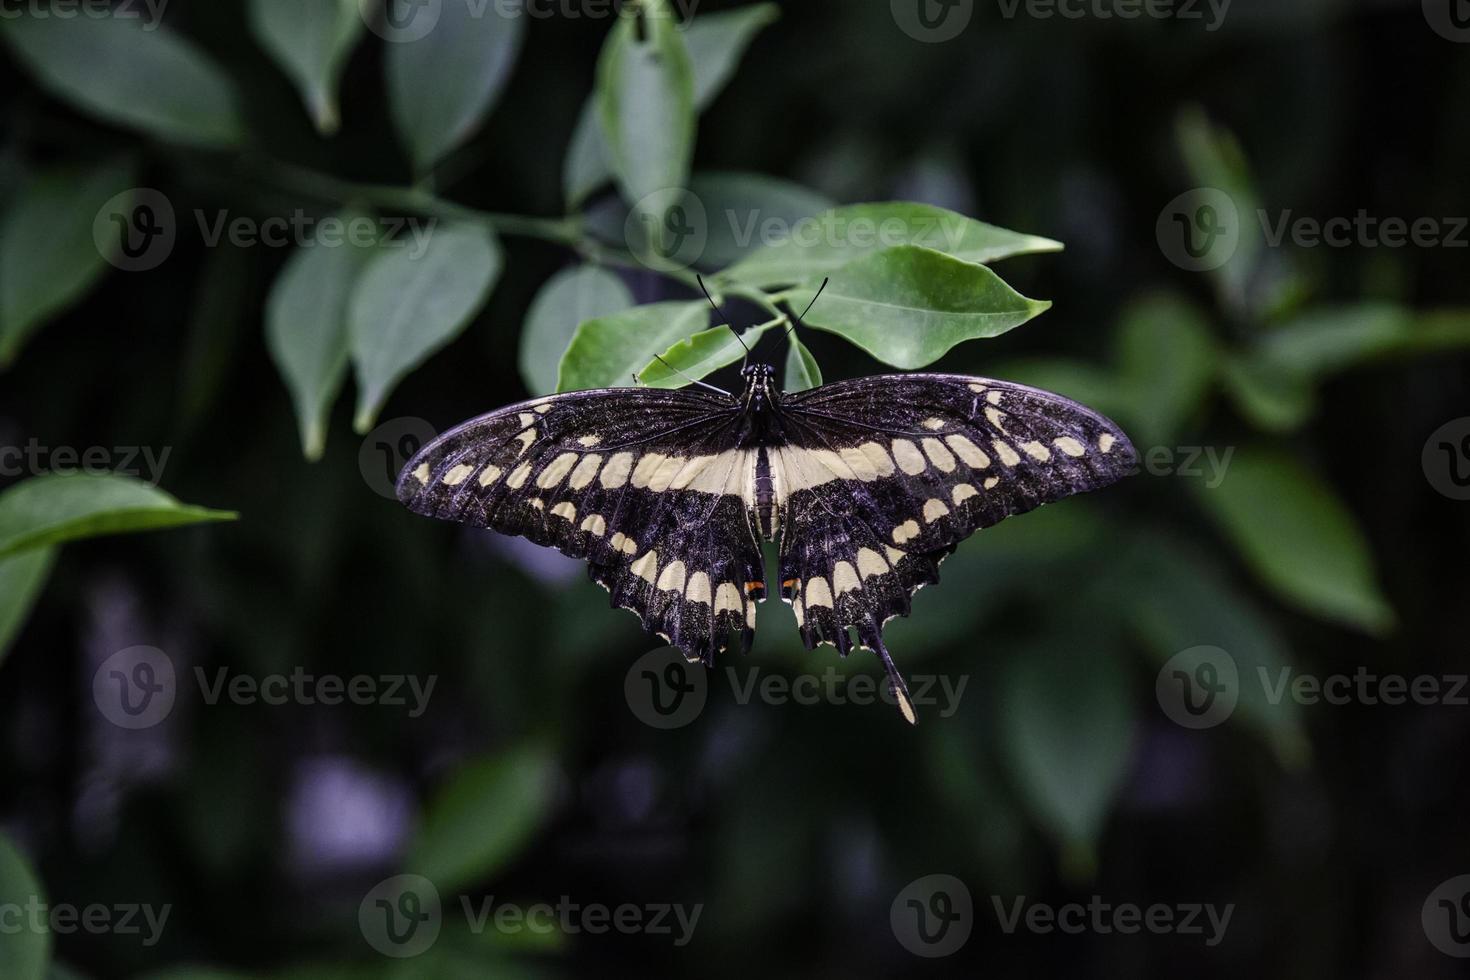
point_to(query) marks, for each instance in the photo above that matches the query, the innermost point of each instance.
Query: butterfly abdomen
(766, 505)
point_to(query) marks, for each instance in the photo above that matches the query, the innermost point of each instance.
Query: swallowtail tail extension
(868, 485)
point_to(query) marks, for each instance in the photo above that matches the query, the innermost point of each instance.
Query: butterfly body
(867, 484)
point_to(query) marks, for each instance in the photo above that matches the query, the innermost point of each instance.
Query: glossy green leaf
(311, 41)
(825, 243)
(1066, 726)
(483, 818)
(1272, 398)
(155, 81)
(1301, 541)
(26, 950)
(59, 507)
(645, 100)
(699, 356)
(22, 577)
(908, 305)
(743, 211)
(715, 43)
(1217, 163)
(608, 351)
(306, 328)
(1167, 357)
(568, 299)
(802, 371)
(410, 301)
(442, 86)
(48, 256)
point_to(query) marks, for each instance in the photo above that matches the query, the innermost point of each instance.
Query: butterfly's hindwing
(648, 486)
(881, 478)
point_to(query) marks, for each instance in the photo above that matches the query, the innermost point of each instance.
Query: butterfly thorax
(760, 431)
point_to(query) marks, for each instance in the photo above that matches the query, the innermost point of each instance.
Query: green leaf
(1274, 399)
(311, 41)
(645, 100)
(124, 72)
(741, 209)
(59, 507)
(567, 300)
(908, 305)
(1066, 718)
(21, 578)
(699, 356)
(715, 43)
(1167, 357)
(48, 256)
(306, 328)
(825, 243)
(802, 371)
(443, 85)
(609, 351)
(408, 304)
(483, 818)
(1216, 162)
(1299, 538)
(26, 951)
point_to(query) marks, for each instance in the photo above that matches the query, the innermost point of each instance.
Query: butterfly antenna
(808, 306)
(692, 381)
(724, 316)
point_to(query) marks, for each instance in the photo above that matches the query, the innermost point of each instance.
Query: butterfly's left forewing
(648, 486)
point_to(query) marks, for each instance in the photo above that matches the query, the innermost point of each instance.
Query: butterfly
(867, 484)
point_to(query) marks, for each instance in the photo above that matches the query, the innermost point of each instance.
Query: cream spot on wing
(556, 471)
(537, 503)
(543, 408)
(878, 456)
(698, 588)
(942, 458)
(691, 471)
(845, 578)
(422, 473)
(1036, 451)
(672, 579)
(870, 563)
(862, 467)
(489, 475)
(585, 471)
(727, 597)
(963, 492)
(818, 593)
(1105, 442)
(933, 425)
(906, 530)
(993, 398)
(968, 451)
(645, 567)
(457, 475)
(894, 555)
(646, 467)
(590, 441)
(1006, 453)
(595, 524)
(750, 615)
(977, 388)
(910, 460)
(565, 509)
(934, 509)
(621, 542)
(997, 419)
(525, 439)
(1069, 446)
(517, 478)
(992, 483)
(527, 419)
(664, 475)
(800, 611)
(615, 473)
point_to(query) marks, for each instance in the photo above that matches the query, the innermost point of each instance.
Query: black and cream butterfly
(868, 485)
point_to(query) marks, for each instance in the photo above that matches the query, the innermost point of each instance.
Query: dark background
(795, 826)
